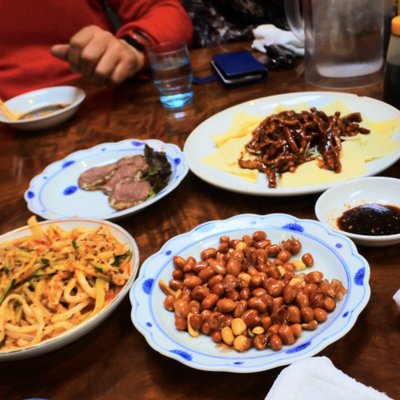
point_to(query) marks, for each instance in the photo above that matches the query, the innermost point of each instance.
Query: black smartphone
(238, 67)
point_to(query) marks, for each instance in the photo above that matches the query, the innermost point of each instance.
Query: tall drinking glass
(172, 73)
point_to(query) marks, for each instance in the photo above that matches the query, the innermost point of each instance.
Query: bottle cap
(396, 25)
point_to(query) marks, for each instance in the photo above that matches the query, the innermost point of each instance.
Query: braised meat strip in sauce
(287, 139)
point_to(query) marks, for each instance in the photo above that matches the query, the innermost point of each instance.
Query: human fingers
(77, 44)
(119, 62)
(60, 51)
(94, 51)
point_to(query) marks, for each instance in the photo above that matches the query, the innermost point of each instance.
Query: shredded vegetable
(53, 279)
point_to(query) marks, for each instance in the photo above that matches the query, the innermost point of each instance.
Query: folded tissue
(267, 35)
(317, 378)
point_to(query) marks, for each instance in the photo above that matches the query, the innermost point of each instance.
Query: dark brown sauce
(371, 220)
(41, 112)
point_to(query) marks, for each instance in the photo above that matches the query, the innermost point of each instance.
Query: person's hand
(99, 56)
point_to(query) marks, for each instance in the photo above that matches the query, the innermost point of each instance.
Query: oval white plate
(200, 143)
(55, 193)
(36, 99)
(335, 255)
(377, 189)
(69, 336)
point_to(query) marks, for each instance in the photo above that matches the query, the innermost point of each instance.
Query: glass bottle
(391, 91)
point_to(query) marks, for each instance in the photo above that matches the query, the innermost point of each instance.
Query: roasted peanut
(310, 326)
(329, 304)
(275, 342)
(196, 321)
(320, 314)
(286, 334)
(198, 293)
(218, 289)
(232, 294)
(181, 307)
(191, 281)
(238, 326)
(227, 335)
(284, 255)
(216, 336)
(241, 343)
(208, 253)
(314, 277)
(219, 268)
(307, 314)
(251, 318)
(257, 304)
(293, 315)
(180, 323)
(206, 273)
(210, 301)
(241, 307)
(175, 284)
(259, 235)
(226, 305)
(308, 260)
(273, 250)
(266, 322)
(169, 302)
(179, 262)
(233, 267)
(260, 342)
(289, 293)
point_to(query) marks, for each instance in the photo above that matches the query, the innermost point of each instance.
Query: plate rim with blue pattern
(335, 255)
(54, 193)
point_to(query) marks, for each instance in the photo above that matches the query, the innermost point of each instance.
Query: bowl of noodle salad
(59, 279)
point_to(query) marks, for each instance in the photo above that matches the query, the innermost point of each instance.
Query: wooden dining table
(114, 361)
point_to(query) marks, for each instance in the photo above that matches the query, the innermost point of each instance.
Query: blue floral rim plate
(54, 193)
(335, 256)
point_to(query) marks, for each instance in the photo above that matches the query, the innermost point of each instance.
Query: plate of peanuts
(250, 293)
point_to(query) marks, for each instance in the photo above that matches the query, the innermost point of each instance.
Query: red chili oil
(371, 220)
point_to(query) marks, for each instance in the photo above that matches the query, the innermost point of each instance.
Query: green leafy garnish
(74, 245)
(45, 261)
(119, 258)
(159, 170)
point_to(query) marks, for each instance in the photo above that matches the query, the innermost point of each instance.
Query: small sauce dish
(43, 108)
(375, 207)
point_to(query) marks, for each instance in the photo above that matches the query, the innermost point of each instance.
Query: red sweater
(29, 28)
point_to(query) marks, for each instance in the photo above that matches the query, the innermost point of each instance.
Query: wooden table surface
(114, 361)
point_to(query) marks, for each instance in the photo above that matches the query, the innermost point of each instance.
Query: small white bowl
(371, 190)
(38, 99)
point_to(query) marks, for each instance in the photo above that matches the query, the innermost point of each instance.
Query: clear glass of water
(172, 73)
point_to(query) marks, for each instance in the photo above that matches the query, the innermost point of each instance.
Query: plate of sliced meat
(107, 181)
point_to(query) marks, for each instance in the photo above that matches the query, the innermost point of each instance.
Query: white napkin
(396, 298)
(317, 378)
(266, 35)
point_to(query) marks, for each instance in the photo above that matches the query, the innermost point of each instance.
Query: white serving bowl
(371, 190)
(38, 99)
(86, 326)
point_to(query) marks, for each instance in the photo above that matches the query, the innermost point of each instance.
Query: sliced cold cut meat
(128, 192)
(95, 177)
(128, 167)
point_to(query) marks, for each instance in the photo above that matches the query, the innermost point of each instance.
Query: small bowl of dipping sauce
(367, 210)
(43, 108)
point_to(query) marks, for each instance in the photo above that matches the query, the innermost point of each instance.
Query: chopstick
(7, 112)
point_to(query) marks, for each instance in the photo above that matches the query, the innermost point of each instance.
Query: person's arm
(153, 21)
(102, 57)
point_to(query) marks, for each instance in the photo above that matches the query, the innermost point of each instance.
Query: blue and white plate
(55, 193)
(334, 254)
